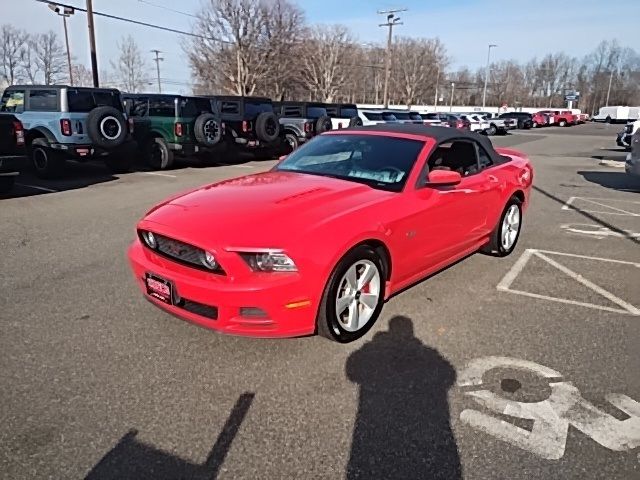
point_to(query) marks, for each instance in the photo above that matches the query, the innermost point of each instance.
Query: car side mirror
(443, 178)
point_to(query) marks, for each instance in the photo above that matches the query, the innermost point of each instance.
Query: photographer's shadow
(402, 428)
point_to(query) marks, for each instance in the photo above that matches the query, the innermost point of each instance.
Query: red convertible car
(319, 242)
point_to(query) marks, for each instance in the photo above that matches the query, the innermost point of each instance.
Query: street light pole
(92, 43)
(391, 21)
(65, 12)
(486, 77)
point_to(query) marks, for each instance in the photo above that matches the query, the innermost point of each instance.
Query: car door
(453, 217)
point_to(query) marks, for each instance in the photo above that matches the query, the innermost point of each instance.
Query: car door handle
(492, 178)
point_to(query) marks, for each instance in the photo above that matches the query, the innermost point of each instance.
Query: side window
(332, 111)
(12, 101)
(43, 100)
(162, 107)
(456, 155)
(230, 108)
(140, 107)
(483, 158)
(292, 111)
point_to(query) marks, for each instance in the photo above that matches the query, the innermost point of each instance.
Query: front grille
(180, 252)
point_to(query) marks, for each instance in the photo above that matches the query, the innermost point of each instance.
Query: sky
(522, 29)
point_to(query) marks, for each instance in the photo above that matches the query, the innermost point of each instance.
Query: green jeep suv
(166, 126)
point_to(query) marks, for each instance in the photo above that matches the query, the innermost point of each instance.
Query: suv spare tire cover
(106, 127)
(355, 122)
(207, 129)
(323, 124)
(267, 126)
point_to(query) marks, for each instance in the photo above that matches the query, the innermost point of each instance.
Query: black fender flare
(39, 132)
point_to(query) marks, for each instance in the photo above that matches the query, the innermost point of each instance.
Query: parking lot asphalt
(514, 368)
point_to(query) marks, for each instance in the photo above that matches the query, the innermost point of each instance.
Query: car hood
(268, 210)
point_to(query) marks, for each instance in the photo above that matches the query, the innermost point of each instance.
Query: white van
(617, 114)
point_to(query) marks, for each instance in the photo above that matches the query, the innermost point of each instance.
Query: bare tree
(49, 57)
(415, 70)
(130, 67)
(284, 27)
(12, 50)
(82, 76)
(324, 62)
(234, 55)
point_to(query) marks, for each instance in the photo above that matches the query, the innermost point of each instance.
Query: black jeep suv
(248, 123)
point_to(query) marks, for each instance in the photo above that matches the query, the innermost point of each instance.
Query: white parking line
(44, 189)
(508, 279)
(569, 205)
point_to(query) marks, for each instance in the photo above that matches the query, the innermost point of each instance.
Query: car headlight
(150, 239)
(209, 260)
(270, 261)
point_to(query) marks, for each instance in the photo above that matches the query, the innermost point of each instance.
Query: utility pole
(92, 44)
(453, 86)
(391, 21)
(65, 12)
(435, 98)
(486, 77)
(609, 89)
(158, 59)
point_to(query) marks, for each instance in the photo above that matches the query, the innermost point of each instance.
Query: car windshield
(389, 117)
(348, 112)
(253, 109)
(80, 100)
(379, 161)
(373, 115)
(316, 112)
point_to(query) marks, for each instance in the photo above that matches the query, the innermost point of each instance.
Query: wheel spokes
(369, 300)
(352, 278)
(366, 276)
(342, 303)
(354, 316)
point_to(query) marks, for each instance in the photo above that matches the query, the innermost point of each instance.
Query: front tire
(291, 141)
(492, 130)
(505, 235)
(353, 297)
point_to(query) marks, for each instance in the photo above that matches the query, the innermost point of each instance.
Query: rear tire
(357, 285)
(158, 155)
(492, 130)
(46, 162)
(504, 237)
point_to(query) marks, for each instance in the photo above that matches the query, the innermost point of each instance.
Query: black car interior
(459, 156)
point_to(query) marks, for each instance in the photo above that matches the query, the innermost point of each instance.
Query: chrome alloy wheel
(358, 295)
(510, 227)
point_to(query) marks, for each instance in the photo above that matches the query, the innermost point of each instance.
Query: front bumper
(288, 309)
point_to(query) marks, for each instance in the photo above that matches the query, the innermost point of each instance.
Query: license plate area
(159, 288)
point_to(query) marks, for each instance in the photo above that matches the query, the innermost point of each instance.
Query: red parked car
(539, 120)
(562, 118)
(319, 242)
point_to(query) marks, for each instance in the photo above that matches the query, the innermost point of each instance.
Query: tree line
(267, 47)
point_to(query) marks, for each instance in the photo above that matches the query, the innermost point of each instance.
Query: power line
(137, 22)
(168, 9)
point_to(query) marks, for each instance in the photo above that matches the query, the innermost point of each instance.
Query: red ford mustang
(319, 242)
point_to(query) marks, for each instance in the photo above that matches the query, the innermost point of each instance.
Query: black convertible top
(439, 134)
